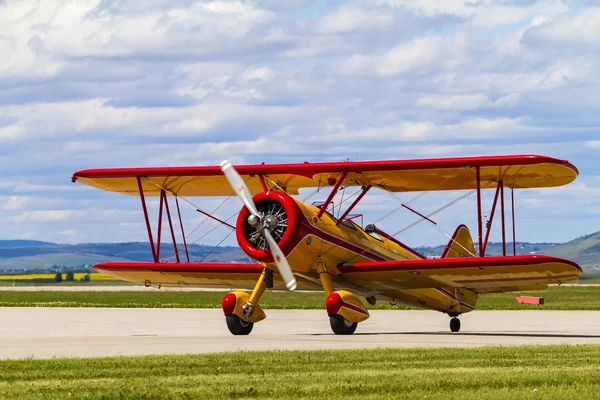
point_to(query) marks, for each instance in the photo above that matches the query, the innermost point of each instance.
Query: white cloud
(420, 53)
(85, 118)
(592, 144)
(351, 18)
(12, 203)
(462, 8)
(472, 128)
(484, 13)
(48, 215)
(466, 101)
(455, 102)
(39, 37)
(582, 28)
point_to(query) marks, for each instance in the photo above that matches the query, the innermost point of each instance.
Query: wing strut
(145, 209)
(365, 189)
(479, 221)
(187, 253)
(489, 223)
(333, 192)
(512, 193)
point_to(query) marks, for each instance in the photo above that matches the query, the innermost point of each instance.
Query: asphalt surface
(93, 332)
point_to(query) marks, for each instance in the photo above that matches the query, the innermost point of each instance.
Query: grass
(588, 279)
(556, 298)
(548, 372)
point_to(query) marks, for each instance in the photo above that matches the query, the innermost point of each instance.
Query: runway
(97, 332)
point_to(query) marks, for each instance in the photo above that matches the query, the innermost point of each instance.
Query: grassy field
(556, 298)
(588, 279)
(549, 372)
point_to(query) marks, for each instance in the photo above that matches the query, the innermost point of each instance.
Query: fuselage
(310, 243)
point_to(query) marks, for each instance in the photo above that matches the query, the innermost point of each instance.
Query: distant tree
(58, 277)
(85, 278)
(70, 276)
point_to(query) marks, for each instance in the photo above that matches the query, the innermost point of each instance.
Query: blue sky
(104, 83)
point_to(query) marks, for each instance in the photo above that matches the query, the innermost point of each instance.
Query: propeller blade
(242, 191)
(282, 264)
(240, 187)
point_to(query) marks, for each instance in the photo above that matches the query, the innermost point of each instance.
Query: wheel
(341, 326)
(455, 324)
(238, 326)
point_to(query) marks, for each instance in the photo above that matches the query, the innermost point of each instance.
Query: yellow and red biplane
(310, 249)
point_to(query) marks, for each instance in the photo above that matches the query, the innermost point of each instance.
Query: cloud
(40, 40)
(417, 54)
(351, 18)
(580, 29)
(592, 144)
(480, 128)
(485, 13)
(13, 202)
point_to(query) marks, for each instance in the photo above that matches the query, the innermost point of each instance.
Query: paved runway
(96, 332)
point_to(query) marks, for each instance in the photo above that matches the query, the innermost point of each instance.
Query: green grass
(588, 279)
(556, 298)
(548, 372)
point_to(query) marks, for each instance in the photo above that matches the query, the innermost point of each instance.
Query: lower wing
(203, 275)
(481, 275)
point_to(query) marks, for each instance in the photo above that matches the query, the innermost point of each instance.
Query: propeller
(255, 220)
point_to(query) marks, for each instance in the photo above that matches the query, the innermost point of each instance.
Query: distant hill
(24, 243)
(18, 255)
(32, 254)
(495, 249)
(585, 251)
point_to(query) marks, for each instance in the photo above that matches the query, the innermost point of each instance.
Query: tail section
(461, 244)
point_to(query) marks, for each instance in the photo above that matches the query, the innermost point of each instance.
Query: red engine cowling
(285, 216)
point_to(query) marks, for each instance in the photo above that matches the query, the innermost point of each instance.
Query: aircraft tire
(455, 324)
(238, 326)
(341, 326)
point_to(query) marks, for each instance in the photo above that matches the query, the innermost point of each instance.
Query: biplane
(296, 245)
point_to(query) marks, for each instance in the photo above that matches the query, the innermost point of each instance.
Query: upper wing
(523, 171)
(487, 274)
(204, 275)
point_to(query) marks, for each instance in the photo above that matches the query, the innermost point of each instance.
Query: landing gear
(341, 326)
(455, 324)
(242, 310)
(238, 326)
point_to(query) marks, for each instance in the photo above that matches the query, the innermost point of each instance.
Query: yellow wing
(523, 171)
(481, 275)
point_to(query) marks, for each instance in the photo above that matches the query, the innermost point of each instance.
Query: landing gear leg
(339, 325)
(455, 324)
(242, 326)
(259, 290)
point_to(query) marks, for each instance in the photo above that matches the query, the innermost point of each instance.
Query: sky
(107, 83)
